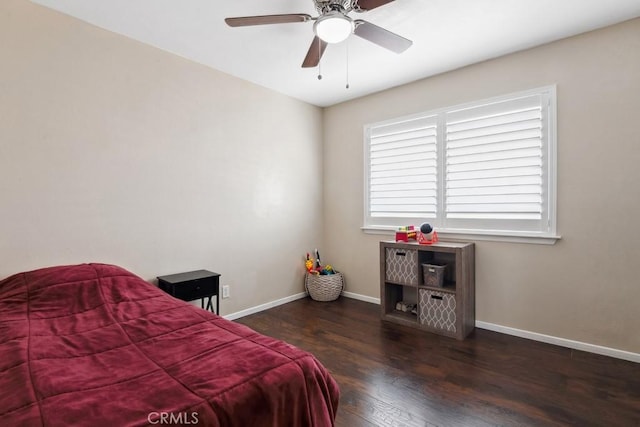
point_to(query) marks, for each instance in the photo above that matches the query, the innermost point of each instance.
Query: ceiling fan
(333, 25)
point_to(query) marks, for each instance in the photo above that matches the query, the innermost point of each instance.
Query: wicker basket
(324, 287)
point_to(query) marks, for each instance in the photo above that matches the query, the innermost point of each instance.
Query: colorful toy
(308, 263)
(406, 233)
(427, 235)
(318, 269)
(327, 270)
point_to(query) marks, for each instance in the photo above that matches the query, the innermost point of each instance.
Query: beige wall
(113, 151)
(584, 288)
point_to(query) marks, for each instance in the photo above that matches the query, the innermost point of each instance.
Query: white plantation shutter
(484, 168)
(403, 169)
(494, 161)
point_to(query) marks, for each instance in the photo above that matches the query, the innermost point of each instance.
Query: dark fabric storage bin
(433, 275)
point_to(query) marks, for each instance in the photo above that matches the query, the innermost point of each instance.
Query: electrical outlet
(225, 291)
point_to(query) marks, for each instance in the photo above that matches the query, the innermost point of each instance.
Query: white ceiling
(447, 34)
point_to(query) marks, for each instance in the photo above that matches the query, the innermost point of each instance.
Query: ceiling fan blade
(364, 5)
(244, 21)
(315, 53)
(381, 37)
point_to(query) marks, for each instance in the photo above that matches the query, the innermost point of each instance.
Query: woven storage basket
(433, 275)
(324, 287)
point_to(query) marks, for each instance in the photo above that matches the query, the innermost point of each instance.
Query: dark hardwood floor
(391, 375)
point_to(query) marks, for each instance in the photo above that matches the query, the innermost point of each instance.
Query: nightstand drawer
(195, 289)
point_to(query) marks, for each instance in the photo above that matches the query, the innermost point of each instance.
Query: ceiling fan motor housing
(324, 6)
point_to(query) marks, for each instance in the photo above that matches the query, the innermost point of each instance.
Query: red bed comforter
(96, 345)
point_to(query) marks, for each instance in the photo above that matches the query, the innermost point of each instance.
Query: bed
(94, 344)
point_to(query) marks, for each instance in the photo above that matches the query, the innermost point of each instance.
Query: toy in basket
(322, 283)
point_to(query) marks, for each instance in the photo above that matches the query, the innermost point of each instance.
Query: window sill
(482, 236)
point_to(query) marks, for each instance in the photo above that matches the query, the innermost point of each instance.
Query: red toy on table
(404, 234)
(427, 234)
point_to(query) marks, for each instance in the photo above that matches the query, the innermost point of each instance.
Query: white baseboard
(361, 297)
(549, 339)
(266, 306)
(563, 342)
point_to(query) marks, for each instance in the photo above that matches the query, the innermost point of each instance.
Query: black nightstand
(193, 285)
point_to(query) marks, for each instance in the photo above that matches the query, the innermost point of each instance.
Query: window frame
(549, 167)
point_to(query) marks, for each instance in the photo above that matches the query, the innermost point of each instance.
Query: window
(481, 168)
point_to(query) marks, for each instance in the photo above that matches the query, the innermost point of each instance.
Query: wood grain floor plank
(391, 375)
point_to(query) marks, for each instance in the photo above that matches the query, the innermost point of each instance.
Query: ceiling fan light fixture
(333, 27)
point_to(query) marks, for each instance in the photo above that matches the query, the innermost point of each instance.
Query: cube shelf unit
(448, 310)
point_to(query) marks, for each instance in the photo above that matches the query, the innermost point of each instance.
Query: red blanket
(96, 345)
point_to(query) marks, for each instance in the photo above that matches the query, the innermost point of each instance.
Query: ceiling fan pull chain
(347, 44)
(319, 59)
